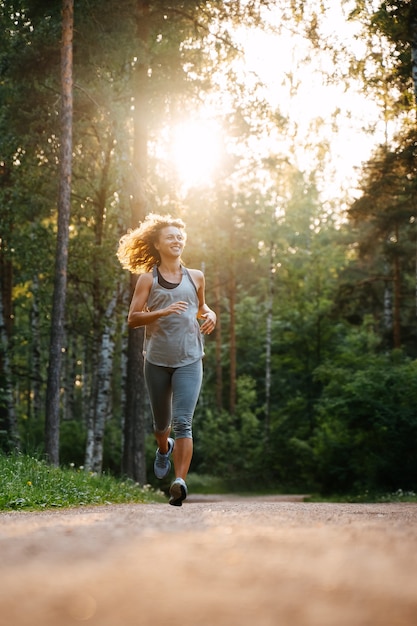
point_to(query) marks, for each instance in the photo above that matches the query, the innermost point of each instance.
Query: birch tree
(101, 400)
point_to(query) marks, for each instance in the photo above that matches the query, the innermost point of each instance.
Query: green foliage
(216, 443)
(366, 423)
(30, 484)
(342, 405)
(207, 484)
(384, 226)
(367, 496)
(288, 458)
(72, 443)
(230, 446)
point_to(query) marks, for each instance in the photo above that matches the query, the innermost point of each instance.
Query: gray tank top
(174, 340)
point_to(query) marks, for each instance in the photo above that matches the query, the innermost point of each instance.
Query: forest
(237, 117)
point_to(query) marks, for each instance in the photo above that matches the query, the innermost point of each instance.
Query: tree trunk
(219, 368)
(134, 462)
(70, 376)
(232, 347)
(397, 297)
(61, 261)
(6, 383)
(268, 342)
(413, 42)
(101, 406)
(387, 317)
(36, 351)
(8, 419)
(415, 274)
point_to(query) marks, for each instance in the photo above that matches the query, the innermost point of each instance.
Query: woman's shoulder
(196, 274)
(146, 276)
(145, 280)
(197, 277)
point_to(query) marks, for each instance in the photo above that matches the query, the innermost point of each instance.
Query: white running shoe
(178, 492)
(162, 464)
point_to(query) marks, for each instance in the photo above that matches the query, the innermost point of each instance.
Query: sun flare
(195, 151)
(317, 111)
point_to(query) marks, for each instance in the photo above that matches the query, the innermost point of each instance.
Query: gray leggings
(173, 393)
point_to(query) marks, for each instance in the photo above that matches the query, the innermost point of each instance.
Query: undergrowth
(31, 484)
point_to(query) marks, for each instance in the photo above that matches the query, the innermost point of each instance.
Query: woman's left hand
(209, 323)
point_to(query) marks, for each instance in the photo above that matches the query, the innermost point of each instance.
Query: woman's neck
(170, 269)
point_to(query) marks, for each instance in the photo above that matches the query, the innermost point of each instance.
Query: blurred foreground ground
(216, 561)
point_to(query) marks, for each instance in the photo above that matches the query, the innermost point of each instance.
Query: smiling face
(171, 242)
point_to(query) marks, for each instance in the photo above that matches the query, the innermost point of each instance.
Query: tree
(366, 421)
(386, 214)
(413, 42)
(64, 203)
(6, 399)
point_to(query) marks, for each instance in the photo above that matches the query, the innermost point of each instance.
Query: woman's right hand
(175, 307)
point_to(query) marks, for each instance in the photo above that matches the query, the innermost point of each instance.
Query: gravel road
(215, 561)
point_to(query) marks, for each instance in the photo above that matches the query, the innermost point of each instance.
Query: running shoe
(178, 492)
(162, 464)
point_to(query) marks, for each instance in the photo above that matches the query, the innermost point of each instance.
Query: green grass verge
(31, 484)
(367, 497)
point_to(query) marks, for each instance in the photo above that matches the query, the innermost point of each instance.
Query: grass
(27, 483)
(367, 497)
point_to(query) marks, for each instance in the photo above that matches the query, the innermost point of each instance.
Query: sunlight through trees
(284, 134)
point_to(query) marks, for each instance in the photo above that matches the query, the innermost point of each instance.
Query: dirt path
(212, 562)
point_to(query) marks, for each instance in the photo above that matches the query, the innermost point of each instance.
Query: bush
(367, 426)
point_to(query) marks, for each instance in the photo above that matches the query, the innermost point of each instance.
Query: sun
(195, 151)
(199, 147)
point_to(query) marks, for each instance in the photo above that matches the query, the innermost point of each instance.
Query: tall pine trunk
(6, 381)
(61, 260)
(397, 295)
(413, 29)
(36, 390)
(268, 342)
(8, 418)
(232, 345)
(219, 368)
(413, 42)
(134, 461)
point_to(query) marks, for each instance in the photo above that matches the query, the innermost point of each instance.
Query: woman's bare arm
(204, 311)
(139, 314)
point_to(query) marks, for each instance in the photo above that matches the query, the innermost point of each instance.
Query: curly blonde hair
(137, 250)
